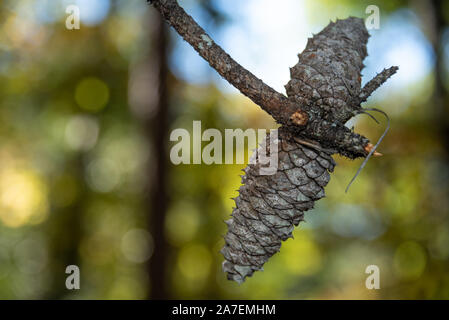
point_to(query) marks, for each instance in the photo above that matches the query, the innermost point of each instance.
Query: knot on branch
(299, 118)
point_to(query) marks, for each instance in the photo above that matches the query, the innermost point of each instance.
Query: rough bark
(375, 83)
(324, 92)
(273, 102)
(326, 81)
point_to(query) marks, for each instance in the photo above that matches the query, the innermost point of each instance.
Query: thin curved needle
(375, 146)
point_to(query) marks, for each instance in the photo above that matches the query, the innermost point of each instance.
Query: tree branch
(276, 104)
(376, 82)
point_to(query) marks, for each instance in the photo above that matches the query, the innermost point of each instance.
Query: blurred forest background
(85, 178)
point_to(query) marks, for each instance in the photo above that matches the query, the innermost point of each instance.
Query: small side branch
(376, 82)
(273, 102)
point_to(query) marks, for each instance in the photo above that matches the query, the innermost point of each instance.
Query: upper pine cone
(327, 77)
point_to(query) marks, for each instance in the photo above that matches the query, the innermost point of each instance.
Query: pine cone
(328, 72)
(270, 206)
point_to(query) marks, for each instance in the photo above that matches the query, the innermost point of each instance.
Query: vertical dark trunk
(65, 233)
(157, 128)
(440, 92)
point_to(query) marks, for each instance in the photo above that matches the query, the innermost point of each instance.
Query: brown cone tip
(370, 147)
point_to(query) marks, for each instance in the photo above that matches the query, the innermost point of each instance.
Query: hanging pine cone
(270, 206)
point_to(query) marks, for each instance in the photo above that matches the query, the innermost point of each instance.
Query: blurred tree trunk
(157, 129)
(65, 234)
(440, 96)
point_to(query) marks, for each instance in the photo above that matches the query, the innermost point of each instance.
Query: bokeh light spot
(23, 198)
(93, 12)
(137, 245)
(182, 223)
(439, 244)
(410, 260)
(301, 256)
(127, 288)
(31, 254)
(81, 132)
(103, 175)
(194, 262)
(92, 94)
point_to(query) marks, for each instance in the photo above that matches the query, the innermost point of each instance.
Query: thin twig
(376, 82)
